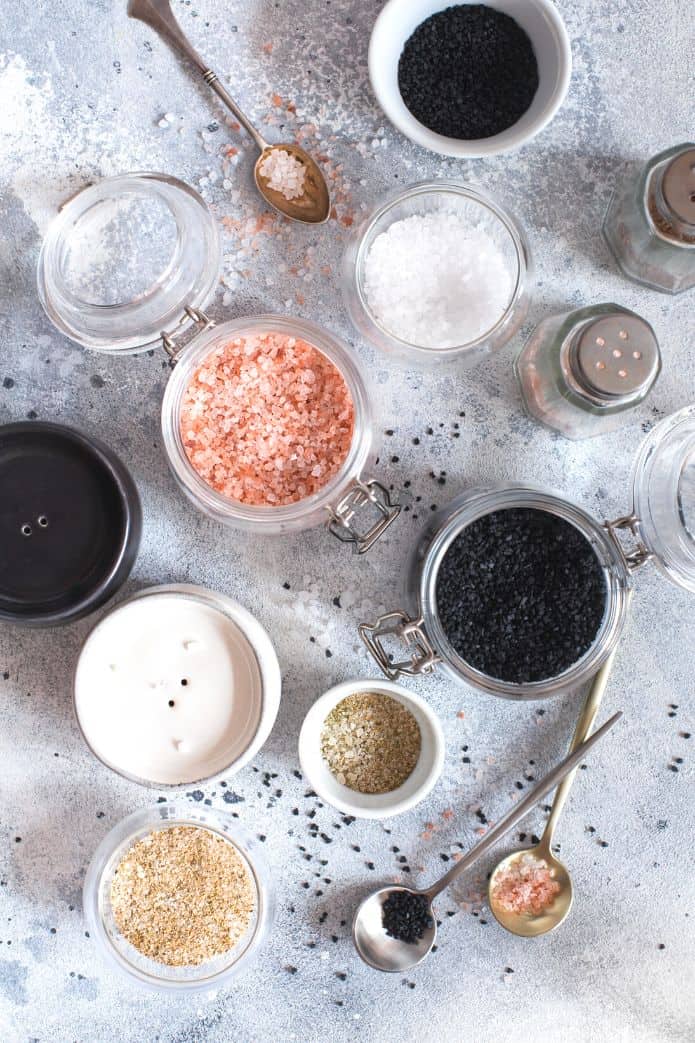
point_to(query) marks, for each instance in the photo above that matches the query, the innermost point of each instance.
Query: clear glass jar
(346, 491)
(124, 257)
(120, 955)
(257, 665)
(425, 198)
(580, 372)
(130, 263)
(650, 221)
(661, 527)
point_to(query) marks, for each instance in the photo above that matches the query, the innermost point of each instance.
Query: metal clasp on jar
(422, 658)
(639, 554)
(358, 495)
(201, 321)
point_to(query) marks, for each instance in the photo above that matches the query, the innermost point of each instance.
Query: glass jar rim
(134, 827)
(483, 500)
(222, 507)
(442, 188)
(261, 647)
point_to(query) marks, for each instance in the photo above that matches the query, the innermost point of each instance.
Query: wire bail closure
(422, 657)
(360, 493)
(201, 321)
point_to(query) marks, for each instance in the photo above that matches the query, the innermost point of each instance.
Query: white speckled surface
(82, 94)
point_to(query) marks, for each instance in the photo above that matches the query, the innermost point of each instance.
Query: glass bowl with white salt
(438, 272)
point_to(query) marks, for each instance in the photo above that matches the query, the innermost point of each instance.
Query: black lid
(70, 524)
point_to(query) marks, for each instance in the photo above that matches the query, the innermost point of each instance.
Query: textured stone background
(82, 94)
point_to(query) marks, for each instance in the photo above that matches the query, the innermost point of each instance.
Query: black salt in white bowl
(540, 21)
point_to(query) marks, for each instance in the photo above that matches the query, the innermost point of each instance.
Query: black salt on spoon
(468, 72)
(521, 595)
(406, 916)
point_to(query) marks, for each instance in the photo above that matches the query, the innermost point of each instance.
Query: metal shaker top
(614, 359)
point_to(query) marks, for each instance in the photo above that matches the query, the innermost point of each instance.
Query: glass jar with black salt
(650, 222)
(521, 593)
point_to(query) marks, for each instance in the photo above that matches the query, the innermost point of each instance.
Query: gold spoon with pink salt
(530, 891)
(286, 176)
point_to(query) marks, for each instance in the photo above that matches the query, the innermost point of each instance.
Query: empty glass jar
(411, 641)
(580, 372)
(131, 263)
(650, 222)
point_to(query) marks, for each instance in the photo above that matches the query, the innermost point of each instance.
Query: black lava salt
(406, 916)
(468, 72)
(521, 595)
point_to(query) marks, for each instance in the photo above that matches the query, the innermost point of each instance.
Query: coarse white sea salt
(436, 280)
(284, 173)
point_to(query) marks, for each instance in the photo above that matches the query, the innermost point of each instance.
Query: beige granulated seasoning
(370, 742)
(182, 895)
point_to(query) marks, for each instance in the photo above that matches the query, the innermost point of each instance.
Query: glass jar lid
(664, 496)
(128, 259)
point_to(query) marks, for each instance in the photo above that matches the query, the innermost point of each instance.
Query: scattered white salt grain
(436, 280)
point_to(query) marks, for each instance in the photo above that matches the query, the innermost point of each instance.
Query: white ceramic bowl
(372, 805)
(544, 27)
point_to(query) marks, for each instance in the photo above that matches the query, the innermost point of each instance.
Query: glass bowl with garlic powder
(178, 899)
(371, 748)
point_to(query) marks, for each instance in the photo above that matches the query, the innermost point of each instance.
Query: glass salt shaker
(650, 222)
(581, 371)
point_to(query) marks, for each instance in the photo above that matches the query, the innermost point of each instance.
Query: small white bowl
(546, 30)
(372, 805)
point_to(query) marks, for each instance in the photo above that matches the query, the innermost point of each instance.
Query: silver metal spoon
(384, 953)
(314, 205)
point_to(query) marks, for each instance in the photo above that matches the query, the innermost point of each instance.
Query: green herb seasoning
(370, 742)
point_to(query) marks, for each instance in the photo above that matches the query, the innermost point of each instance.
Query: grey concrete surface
(83, 92)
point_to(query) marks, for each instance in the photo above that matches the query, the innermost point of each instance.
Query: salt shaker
(650, 222)
(581, 371)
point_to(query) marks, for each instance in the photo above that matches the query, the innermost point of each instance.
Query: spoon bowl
(314, 205)
(376, 947)
(530, 924)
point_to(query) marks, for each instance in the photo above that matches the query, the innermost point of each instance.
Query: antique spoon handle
(159, 16)
(533, 797)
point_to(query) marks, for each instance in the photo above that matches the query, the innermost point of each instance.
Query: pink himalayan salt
(267, 420)
(525, 886)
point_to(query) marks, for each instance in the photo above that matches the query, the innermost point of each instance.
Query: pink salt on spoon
(277, 170)
(530, 891)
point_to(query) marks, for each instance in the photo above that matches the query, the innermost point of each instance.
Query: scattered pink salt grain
(267, 420)
(526, 885)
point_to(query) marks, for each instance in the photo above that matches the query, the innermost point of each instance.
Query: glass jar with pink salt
(267, 426)
(266, 421)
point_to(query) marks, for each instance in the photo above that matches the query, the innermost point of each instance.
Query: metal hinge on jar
(358, 495)
(201, 321)
(637, 555)
(422, 658)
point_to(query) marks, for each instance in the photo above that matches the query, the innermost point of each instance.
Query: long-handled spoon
(313, 205)
(530, 924)
(385, 953)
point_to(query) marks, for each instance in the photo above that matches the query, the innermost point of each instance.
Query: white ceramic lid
(664, 496)
(124, 258)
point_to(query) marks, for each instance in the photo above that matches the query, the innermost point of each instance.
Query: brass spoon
(314, 205)
(385, 953)
(530, 925)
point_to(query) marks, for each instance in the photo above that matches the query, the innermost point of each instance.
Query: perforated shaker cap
(678, 190)
(615, 358)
